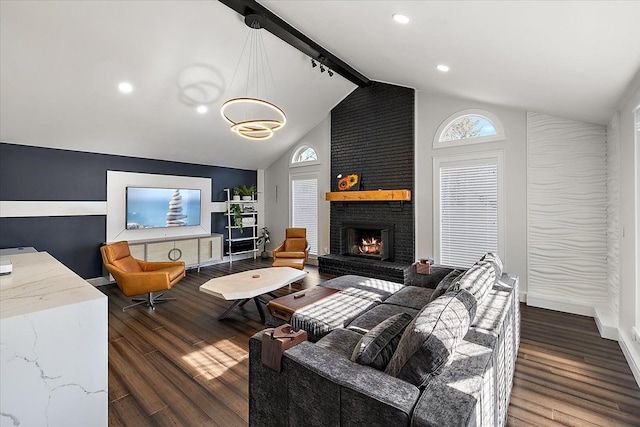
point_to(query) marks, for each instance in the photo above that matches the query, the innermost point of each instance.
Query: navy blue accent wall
(72, 240)
(46, 174)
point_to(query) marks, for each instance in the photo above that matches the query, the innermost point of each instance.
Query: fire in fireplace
(368, 241)
(371, 245)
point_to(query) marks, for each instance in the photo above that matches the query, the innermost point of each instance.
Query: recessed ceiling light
(443, 68)
(125, 87)
(202, 109)
(402, 19)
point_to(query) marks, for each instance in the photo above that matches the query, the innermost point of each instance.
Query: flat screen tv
(162, 207)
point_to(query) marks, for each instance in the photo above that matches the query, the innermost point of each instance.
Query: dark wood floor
(180, 366)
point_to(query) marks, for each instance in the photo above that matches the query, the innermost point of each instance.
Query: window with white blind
(304, 206)
(468, 208)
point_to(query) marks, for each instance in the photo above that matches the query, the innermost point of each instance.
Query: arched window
(468, 127)
(304, 193)
(304, 154)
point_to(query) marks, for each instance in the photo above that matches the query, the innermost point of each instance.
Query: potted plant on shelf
(236, 211)
(247, 193)
(262, 241)
(236, 193)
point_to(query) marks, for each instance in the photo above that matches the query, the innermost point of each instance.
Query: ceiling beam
(281, 29)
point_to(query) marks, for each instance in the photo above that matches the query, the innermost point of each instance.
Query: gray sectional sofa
(384, 354)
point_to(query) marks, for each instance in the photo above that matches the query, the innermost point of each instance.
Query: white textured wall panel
(613, 214)
(566, 210)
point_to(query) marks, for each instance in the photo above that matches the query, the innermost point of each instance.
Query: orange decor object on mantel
(348, 182)
(365, 196)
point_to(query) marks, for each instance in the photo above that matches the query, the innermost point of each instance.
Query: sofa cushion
(411, 296)
(341, 341)
(430, 340)
(447, 283)
(367, 321)
(478, 280)
(497, 262)
(377, 346)
(364, 287)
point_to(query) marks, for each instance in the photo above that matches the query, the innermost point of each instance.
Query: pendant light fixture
(250, 116)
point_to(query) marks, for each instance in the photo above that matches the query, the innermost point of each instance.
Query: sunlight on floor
(213, 361)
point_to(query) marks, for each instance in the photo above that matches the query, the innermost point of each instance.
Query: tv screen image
(162, 207)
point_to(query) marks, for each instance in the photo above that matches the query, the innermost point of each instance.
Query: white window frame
(308, 174)
(294, 153)
(495, 121)
(487, 157)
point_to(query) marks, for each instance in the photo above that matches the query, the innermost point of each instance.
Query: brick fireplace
(372, 134)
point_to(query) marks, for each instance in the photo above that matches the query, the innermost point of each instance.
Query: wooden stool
(289, 262)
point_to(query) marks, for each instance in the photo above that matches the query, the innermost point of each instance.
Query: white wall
(613, 217)
(567, 214)
(431, 111)
(277, 214)
(629, 256)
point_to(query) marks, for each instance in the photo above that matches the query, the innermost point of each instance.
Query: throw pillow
(431, 338)
(446, 283)
(497, 262)
(478, 280)
(377, 346)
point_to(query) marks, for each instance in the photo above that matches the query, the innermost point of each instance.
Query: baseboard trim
(523, 296)
(607, 325)
(633, 358)
(559, 305)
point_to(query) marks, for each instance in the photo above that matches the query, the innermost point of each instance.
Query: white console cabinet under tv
(194, 251)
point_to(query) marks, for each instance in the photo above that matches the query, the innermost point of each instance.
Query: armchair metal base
(149, 301)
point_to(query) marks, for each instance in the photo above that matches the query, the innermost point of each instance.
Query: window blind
(304, 195)
(469, 213)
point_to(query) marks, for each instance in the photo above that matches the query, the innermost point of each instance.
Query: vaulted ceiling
(61, 62)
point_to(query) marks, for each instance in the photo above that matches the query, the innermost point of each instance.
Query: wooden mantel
(367, 196)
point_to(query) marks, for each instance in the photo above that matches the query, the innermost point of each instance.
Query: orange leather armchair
(136, 277)
(294, 251)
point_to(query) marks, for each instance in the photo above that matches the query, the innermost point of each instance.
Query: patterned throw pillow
(446, 283)
(430, 340)
(497, 262)
(478, 280)
(377, 346)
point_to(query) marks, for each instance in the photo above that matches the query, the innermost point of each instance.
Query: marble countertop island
(40, 282)
(53, 345)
